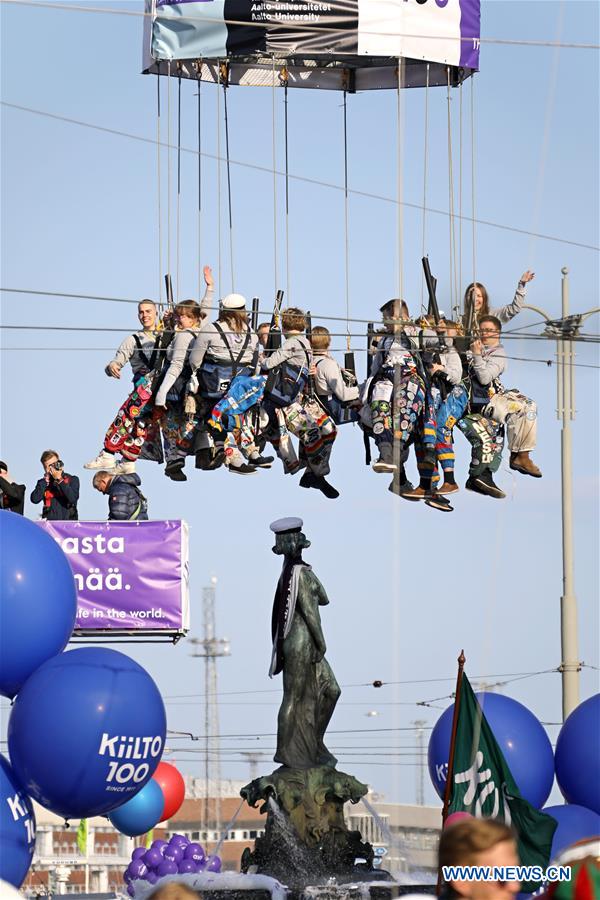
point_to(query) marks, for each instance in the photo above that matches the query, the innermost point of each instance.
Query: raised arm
(508, 312)
(208, 301)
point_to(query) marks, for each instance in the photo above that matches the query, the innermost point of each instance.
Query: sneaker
(448, 488)
(244, 469)
(521, 462)
(174, 470)
(262, 462)
(104, 460)
(124, 467)
(484, 484)
(436, 502)
(310, 480)
(412, 493)
(382, 466)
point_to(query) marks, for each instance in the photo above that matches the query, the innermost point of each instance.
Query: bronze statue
(310, 690)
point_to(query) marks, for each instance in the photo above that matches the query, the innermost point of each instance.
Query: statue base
(306, 839)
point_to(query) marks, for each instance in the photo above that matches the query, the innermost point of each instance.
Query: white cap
(282, 526)
(233, 301)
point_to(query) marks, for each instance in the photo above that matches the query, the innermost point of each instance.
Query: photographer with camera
(58, 491)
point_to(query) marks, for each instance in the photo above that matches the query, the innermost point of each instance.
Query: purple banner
(130, 576)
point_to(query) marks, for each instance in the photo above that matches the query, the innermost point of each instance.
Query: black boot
(174, 470)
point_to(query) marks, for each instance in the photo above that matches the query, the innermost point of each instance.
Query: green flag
(482, 784)
(82, 837)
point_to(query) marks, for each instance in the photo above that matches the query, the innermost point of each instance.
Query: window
(253, 834)
(245, 835)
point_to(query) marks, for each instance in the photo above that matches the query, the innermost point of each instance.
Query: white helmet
(233, 301)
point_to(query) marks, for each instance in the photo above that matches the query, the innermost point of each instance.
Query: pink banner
(130, 576)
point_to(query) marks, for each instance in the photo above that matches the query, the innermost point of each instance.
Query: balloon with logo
(577, 755)
(140, 814)
(103, 724)
(38, 600)
(521, 737)
(575, 823)
(17, 827)
(173, 788)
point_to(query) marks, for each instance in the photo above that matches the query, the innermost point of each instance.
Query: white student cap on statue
(287, 525)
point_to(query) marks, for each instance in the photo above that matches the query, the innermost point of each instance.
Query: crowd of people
(223, 392)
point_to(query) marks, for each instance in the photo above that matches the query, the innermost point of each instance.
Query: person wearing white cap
(223, 350)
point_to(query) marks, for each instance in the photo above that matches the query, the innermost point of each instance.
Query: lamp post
(566, 330)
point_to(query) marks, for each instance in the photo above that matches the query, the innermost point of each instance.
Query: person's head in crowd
(263, 333)
(188, 314)
(479, 842)
(394, 313)
(102, 480)
(320, 339)
(490, 329)
(175, 890)
(478, 293)
(147, 313)
(233, 312)
(53, 464)
(3, 469)
(293, 321)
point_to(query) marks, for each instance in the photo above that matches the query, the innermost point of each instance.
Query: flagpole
(450, 773)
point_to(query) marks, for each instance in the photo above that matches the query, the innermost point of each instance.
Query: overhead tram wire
(298, 26)
(300, 178)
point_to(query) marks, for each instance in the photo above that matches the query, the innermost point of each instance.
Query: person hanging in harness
(491, 407)
(289, 391)
(169, 398)
(134, 433)
(126, 503)
(225, 350)
(453, 403)
(477, 294)
(336, 389)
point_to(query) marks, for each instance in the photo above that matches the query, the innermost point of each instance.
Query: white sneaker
(382, 467)
(104, 460)
(124, 467)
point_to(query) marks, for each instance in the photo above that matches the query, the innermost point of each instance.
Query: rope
(301, 178)
(473, 174)
(274, 154)
(229, 188)
(178, 295)
(158, 192)
(169, 166)
(346, 237)
(219, 261)
(287, 197)
(425, 155)
(399, 180)
(200, 291)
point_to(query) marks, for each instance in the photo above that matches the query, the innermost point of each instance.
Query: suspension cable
(178, 223)
(425, 161)
(287, 193)
(346, 235)
(200, 291)
(460, 192)
(274, 155)
(399, 180)
(158, 192)
(229, 187)
(169, 166)
(473, 175)
(218, 105)
(453, 285)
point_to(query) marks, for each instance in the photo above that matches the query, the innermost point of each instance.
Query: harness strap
(234, 359)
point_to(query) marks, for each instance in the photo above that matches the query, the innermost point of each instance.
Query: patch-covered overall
(487, 442)
(450, 411)
(134, 433)
(315, 429)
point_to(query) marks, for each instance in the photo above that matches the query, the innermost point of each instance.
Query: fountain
(306, 840)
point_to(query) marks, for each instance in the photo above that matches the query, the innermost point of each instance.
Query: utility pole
(420, 739)
(565, 330)
(210, 648)
(253, 758)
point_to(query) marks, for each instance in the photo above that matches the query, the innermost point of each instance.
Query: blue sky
(408, 587)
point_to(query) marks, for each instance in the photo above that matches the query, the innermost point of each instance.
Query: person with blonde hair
(478, 842)
(175, 890)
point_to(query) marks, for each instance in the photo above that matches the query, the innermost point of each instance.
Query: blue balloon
(38, 600)
(574, 824)
(103, 727)
(141, 813)
(17, 827)
(522, 739)
(577, 755)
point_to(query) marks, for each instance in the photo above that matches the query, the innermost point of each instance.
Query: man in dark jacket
(12, 495)
(58, 490)
(125, 500)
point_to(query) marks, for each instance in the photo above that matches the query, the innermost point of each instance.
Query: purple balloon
(159, 845)
(138, 853)
(186, 865)
(174, 852)
(195, 852)
(151, 877)
(136, 869)
(213, 864)
(153, 857)
(180, 840)
(131, 890)
(127, 877)
(167, 867)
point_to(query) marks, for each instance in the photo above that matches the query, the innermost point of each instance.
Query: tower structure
(209, 647)
(420, 741)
